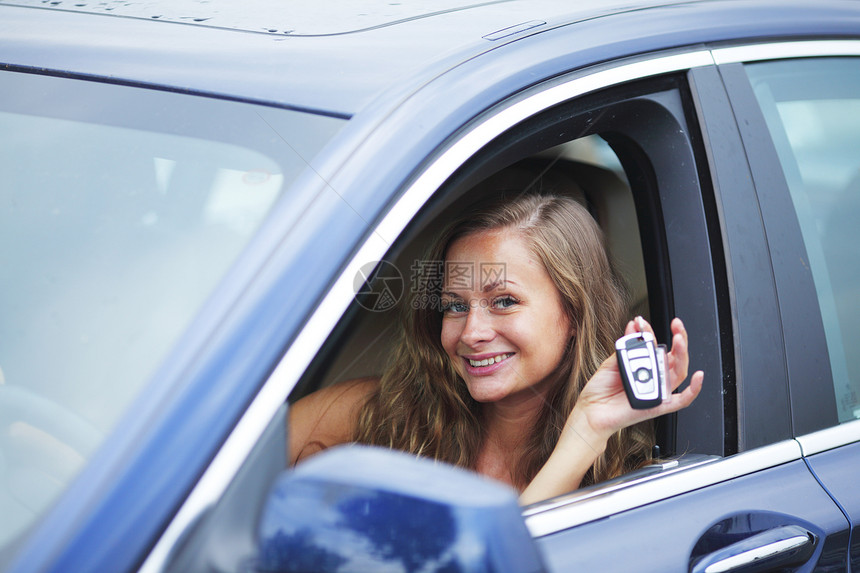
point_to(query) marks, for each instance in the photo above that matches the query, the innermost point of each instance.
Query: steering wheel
(42, 447)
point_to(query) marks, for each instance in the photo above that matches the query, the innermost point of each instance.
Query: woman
(511, 374)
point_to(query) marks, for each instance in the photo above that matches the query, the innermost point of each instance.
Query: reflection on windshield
(120, 210)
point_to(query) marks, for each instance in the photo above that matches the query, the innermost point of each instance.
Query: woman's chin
(484, 390)
(491, 389)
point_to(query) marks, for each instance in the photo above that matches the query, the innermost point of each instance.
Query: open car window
(619, 160)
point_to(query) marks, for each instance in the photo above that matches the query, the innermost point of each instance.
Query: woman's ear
(572, 329)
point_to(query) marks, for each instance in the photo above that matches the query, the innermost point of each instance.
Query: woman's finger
(631, 328)
(678, 358)
(642, 325)
(678, 327)
(679, 361)
(682, 400)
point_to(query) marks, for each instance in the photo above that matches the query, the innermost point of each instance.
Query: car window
(603, 168)
(812, 110)
(120, 210)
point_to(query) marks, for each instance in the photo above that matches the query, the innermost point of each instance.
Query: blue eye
(506, 301)
(454, 306)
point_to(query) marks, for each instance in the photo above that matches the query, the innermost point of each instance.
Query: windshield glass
(120, 210)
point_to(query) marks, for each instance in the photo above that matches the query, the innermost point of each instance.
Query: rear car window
(120, 210)
(812, 109)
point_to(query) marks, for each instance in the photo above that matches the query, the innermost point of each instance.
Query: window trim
(579, 508)
(784, 50)
(830, 438)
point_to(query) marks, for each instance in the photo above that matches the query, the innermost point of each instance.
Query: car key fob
(642, 365)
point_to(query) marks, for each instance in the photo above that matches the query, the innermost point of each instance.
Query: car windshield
(120, 210)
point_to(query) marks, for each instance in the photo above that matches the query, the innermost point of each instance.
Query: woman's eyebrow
(502, 283)
(490, 286)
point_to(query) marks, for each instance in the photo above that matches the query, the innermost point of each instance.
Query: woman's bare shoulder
(327, 417)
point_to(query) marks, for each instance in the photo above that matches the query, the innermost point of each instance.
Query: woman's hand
(602, 408)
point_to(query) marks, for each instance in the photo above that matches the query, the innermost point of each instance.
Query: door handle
(778, 547)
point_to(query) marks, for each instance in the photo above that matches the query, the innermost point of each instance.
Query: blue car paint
(667, 543)
(114, 512)
(840, 479)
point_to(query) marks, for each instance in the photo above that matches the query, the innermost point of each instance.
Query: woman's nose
(478, 327)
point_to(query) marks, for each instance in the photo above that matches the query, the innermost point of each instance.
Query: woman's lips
(483, 364)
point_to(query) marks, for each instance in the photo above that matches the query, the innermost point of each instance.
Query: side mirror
(361, 508)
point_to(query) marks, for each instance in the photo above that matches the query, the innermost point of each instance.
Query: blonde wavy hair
(422, 405)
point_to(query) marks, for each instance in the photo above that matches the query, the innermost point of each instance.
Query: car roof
(306, 18)
(332, 60)
(336, 60)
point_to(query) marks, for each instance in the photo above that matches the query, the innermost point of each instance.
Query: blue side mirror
(360, 508)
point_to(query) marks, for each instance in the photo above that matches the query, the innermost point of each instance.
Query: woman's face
(503, 326)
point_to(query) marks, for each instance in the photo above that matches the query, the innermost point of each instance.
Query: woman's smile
(483, 365)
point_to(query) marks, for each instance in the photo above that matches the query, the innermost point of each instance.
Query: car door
(800, 103)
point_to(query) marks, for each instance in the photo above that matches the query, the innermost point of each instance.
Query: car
(209, 209)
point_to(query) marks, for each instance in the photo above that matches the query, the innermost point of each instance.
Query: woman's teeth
(488, 361)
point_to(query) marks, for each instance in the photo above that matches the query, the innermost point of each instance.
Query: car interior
(586, 169)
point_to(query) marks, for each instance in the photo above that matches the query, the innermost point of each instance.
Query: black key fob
(642, 366)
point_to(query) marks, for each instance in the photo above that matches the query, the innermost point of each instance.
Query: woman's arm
(326, 417)
(601, 410)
